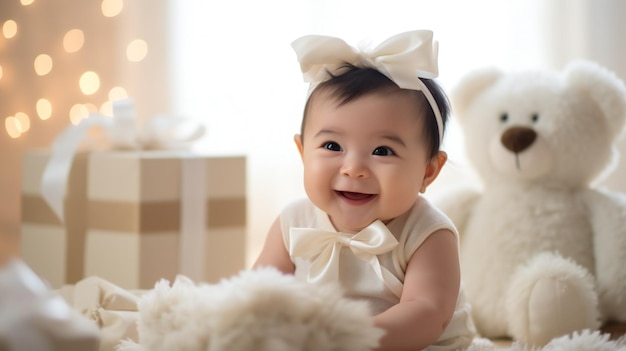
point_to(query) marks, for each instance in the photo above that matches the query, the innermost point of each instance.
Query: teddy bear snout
(518, 139)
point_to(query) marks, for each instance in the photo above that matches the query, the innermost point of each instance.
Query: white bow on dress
(323, 248)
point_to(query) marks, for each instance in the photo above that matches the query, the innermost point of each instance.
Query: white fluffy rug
(264, 310)
(586, 340)
(259, 310)
(583, 341)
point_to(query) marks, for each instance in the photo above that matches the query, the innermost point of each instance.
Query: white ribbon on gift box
(123, 132)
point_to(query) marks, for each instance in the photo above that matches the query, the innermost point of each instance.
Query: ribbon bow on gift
(113, 309)
(403, 58)
(123, 132)
(161, 132)
(323, 248)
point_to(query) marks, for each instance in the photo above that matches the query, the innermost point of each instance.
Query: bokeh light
(117, 93)
(44, 109)
(107, 108)
(136, 50)
(12, 127)
(43, 64)
(73, 40)
(89, 82)
(112, 8)
(9, 29)
(78, 112)
(23, 122)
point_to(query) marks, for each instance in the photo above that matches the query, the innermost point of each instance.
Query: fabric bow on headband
(404, 58)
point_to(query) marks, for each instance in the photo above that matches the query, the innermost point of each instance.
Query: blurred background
(229, 64)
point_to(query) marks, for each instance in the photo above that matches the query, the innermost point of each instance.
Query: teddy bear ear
(604, 87)
(470, 86)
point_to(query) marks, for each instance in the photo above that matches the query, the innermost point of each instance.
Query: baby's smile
(355, 198)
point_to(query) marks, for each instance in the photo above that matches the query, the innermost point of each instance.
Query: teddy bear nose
(518, 139)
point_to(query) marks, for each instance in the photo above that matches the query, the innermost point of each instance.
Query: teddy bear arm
(608, 224)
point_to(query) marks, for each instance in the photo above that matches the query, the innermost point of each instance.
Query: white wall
(234, 68)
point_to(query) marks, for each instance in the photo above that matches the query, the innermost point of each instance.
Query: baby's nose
(355, 167)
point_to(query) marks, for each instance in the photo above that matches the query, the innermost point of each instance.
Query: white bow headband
(403, 58)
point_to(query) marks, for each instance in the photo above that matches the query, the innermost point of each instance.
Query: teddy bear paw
(554, 310)
(550, 297)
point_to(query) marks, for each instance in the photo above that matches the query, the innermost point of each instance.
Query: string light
(17, 125)
(12, 128)
(89, 82)
(43, 64)
(117, 93)
(9, 29)
(73, 41)
(107, 108)
(78, 112)
(137, 50)
(44, 109)
(23, 122)
(112, 8)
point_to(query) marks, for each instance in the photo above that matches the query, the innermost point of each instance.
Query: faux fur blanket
(265, 310)
(259, 310)
(255, 310)
(583, 341)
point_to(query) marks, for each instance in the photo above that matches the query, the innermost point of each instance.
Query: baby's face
(365, 160)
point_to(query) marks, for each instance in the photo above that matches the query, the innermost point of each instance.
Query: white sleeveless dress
(364, 273)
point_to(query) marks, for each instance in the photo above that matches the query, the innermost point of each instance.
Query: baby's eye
(383, 151)
(332, 146)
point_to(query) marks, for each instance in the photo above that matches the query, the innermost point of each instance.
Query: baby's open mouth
(355, 196)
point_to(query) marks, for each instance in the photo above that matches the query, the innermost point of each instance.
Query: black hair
(353, 82)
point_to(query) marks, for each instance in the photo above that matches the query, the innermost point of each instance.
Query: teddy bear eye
(504, 117)
(535, 118)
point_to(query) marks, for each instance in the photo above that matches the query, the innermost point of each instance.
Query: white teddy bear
(543, 251)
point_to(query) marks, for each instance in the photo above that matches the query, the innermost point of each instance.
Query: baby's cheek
(316, 179)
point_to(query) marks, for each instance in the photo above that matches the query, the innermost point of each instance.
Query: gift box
(134, 217)
(156, 214)
(54, 250)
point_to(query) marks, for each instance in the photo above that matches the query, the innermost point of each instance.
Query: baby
(370, 144)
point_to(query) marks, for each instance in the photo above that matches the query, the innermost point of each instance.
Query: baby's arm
(274, 252)
(429, 296)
